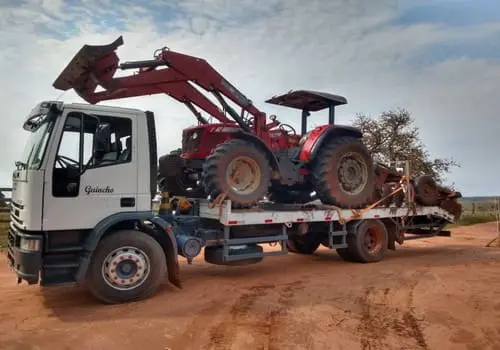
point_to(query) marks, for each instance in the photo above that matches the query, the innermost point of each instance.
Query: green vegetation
(477, 212)
(4, 225)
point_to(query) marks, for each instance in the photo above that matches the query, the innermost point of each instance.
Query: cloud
(380, 55)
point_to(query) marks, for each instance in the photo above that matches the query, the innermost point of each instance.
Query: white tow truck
(82, 212)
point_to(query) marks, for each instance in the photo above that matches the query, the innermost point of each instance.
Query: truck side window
(116, 150)
(79, 150)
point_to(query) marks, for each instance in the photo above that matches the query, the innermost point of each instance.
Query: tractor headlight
(31, 245)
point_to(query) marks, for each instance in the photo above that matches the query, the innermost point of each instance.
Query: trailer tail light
(328, 218)
(268, 221)
(232, 222)
(300, 219)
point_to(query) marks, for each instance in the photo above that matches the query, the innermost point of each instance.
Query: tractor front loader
(243, 156)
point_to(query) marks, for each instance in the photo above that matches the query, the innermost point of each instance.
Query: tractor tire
(426, 191)
(254, 168)
(453, 207)
(358, 169)
(144, 267)
(171, 177)
(369, 242)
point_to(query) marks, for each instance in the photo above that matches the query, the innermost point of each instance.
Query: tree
(393, 136)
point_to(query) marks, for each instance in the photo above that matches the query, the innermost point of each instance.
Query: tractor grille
(191, 140)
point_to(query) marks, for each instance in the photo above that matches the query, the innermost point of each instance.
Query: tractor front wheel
(240, 170)
(343, 173)
(172, 179)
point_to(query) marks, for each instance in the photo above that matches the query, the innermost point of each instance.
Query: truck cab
(81, 165)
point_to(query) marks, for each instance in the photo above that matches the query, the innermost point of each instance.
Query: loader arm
(170, 72)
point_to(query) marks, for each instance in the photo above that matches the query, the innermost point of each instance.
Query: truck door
(92, 173)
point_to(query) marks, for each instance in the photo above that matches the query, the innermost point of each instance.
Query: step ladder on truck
(82, 193)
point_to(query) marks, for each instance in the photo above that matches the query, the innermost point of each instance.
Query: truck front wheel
(126, 265)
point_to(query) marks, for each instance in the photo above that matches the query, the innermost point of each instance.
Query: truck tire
(254, 170)
(304, 244)
(426, 190)
(343, 173)
(345, 254)
(369, 242)
(126, 265)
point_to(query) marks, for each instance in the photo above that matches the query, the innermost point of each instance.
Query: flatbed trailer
(303, 228)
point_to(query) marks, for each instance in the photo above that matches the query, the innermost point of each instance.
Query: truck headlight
(31, 245)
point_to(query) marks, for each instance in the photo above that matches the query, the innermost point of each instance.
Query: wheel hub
(352, 173)
(372, 241)
(125, 268)
(243, 175)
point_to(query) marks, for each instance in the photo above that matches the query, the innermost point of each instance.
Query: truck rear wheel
(367, 241)
(343, 174)
(304, 244)
(126, 265)
(240, 170)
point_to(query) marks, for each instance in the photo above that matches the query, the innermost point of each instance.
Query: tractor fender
(127, 221)
(261, 145)
(323, 134)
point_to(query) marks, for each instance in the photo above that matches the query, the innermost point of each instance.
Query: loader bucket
(77, 74)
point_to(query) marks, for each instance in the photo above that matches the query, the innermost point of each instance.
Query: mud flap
(78, 72)
(174, 272)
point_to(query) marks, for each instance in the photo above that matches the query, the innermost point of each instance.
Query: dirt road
(441, 293)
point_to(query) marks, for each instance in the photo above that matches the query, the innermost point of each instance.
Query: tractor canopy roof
(309, 100)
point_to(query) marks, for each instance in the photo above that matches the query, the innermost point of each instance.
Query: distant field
(476, 210)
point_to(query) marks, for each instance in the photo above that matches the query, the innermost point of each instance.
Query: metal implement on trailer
(233, 236)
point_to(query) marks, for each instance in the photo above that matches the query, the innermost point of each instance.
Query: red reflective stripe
(328, 218)
(300, 219)
(268, 221)
(232, 222)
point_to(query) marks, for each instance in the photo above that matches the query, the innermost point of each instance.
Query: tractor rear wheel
(240, 170)
(343, 173)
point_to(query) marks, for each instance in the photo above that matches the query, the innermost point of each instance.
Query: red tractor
(243, 155)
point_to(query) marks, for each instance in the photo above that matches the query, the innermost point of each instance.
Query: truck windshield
(36, 145)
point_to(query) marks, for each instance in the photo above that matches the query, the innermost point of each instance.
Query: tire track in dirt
(251, 322)
(387, 314)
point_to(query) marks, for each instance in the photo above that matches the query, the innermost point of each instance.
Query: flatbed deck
(269, 214)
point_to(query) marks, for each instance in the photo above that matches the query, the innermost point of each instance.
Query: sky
(439, 59)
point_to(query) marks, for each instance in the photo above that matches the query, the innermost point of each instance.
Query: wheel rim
(243, 175)
(125, 268)
(353, 173)
(373, 240)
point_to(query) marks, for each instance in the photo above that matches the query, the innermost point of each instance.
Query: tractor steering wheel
(283, 126)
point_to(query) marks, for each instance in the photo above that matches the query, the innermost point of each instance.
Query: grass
(4, 225)
(473, 212)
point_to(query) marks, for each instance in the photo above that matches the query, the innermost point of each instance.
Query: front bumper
(27, 264)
